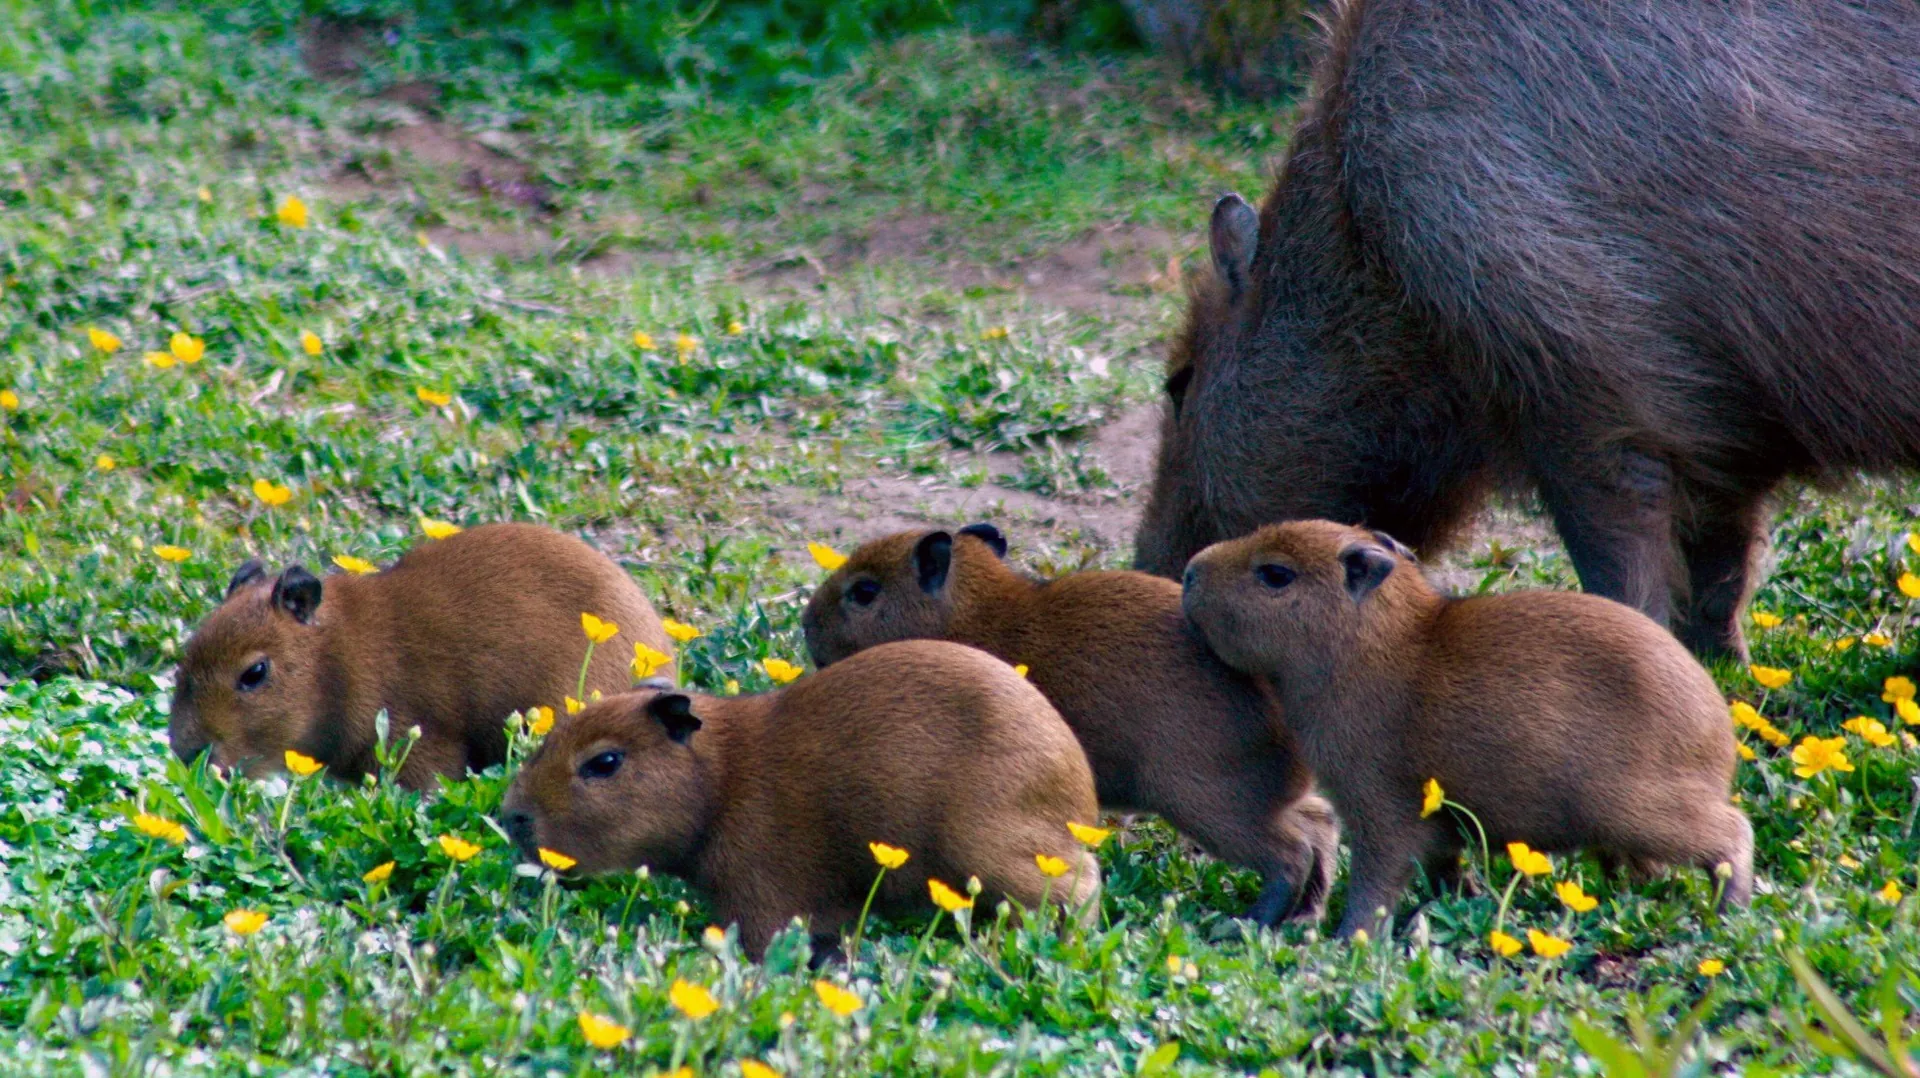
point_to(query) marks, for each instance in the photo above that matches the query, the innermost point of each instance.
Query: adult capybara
(1648, 259)
(768, 803)
(1561, 720)
(452, 638)
(1167, 726)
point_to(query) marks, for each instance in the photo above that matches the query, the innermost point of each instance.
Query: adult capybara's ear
(298, 593)
(989, 535)
(249, 571)
(932, 557)
(675, 712)
(1233, 236)
(1368, 566)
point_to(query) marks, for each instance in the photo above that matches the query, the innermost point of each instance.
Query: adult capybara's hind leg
(1721, 537)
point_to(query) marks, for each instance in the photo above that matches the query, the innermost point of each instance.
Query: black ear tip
(298, 592)
(674, 710)
(989, 535)
(249, 571)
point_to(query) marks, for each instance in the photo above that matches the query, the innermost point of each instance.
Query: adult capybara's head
(893, 588)
(1291, 600)
(616, 786)
(249, 685)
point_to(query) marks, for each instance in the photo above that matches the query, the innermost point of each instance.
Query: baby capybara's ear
(932, 557)
(674, 710)
(989, 535)
(1368, 566)
(1396, 546)
(1232, 237)
(249, 571)
(297, 592)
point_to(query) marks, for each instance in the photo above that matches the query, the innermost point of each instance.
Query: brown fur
(1167, 727)
(1561, 720)
(768, 802)
(453, 638)
(1646, 259)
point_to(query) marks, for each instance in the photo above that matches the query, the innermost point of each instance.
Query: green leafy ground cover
(942, 266)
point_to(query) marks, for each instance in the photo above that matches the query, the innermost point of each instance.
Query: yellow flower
(1528, 860)
(1744, 715)
(205, 195)
(597, 630)
(1503, 945)
(438, 529)
(947, 898)
(433, 396)
(837, 999)
(680, 631)
(555, 860)
(186, 347)
(105, 463)
(539, 721)
(1771, 734)
(692, 1000)
(733, 686)
(302, 765)
(1745, 752)
(1091, 836)
(160, 827)
(174, 554)
(160, 360)
(736, 328)
(1908, 710)
(273, 496)
(244, 922)
(1889, 894)
(993, 333)
(643, 340)
(292, 212)
(753, 1068)
(780, 670)
(1770, 677)
(826, 557)
(1847, 862)
(646, 660)
(1845, 643)
(1878, 640)
(714, 935)
(104, 341)
(379, 873)
(1050, 867)
(1572, 897)
(1909, 585)
(310, 342)
(1872, 731)
(1712, 967)
(457, 848)
(1431, 796)
(1547, 946)
(574, 707)
(1895, 689)
(356, 566)
(887, 856)
(9, 400)
(1765, 620)
(1817, 754)
(685, 345)
(601, 1032)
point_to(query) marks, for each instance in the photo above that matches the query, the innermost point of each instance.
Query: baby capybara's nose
(519, 826)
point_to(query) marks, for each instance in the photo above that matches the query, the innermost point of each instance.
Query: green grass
(677, 213)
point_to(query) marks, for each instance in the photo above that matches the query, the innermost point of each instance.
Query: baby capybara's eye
(602, 766)
(253, 676)
(1275, 576)
(864, 592)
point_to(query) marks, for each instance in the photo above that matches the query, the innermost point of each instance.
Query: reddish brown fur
(770, 803)
(1561, 720)
(1167, 727)
(1647, 259)
(453, 638)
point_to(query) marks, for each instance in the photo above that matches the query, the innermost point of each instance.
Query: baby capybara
(1561, 720)
(1646, 259)
(452, 638)
(768, 802)
(1167, 726)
